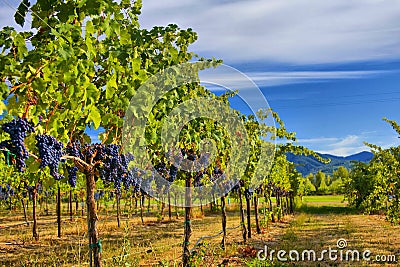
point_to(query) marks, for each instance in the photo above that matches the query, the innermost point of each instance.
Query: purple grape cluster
(128, 178)
(204, 160)
(6, 192)
(173, 171)
(50, 153)
(111, 162)
(248, 193)
(74, 149)
(72, 175)
(278, 190)
(112, 166)
(197, 181)
(162, 170)
(98, 195)
(18, 130)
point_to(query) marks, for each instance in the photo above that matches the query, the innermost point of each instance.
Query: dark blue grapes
(173, 171)
(6, 192)
(217, 173)
(162, 170)
(72, 175)
(197, 181)
(74, 149)
(50, 153)
(127, 175)
(14, 149)
(110, 164)
(204, 160)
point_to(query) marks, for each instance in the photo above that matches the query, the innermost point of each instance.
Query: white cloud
(293, 77)
(344, 146)
(300, 32)
(345, 151)
(317, 140)
(297, 32)
(350, 144)
(270, 78)
(347, 141)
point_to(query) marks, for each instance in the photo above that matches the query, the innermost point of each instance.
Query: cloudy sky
(331, 69)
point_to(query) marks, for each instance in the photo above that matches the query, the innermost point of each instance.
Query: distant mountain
(309, 164)
(364, 156)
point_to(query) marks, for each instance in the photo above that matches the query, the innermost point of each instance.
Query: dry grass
(158, 242)
(154, 243)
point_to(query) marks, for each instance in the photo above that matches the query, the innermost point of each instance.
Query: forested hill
(309, 164)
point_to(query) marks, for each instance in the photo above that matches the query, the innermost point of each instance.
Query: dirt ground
(159, 243)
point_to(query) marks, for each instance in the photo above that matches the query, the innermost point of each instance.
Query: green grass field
(330, 199)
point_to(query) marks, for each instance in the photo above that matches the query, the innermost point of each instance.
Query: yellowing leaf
(111, 86)
(95, 116)
(2, 107)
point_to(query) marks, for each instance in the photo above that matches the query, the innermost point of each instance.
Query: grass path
(319, 227)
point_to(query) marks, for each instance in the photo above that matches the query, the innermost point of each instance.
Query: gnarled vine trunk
(118, 198)
(94, 241)
(187, 223)
(248, 211)
(142, 198)
(59, 212)
(256, 214)
(70, 206)
(34, 227)
(24, 207)
(169, 206)
(223, 213)
(244, 231)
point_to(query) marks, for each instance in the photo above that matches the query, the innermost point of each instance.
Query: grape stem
(15, 87)
(76, 159)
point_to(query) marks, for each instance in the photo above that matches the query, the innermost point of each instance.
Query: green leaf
(2, 107)
(95, 116)
(65, 52)
(89, 28)
(111, 86)
(125, 37)
(32, 165)
(92, 93)
(21, 12)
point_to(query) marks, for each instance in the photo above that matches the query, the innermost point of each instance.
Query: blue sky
(331, 69)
